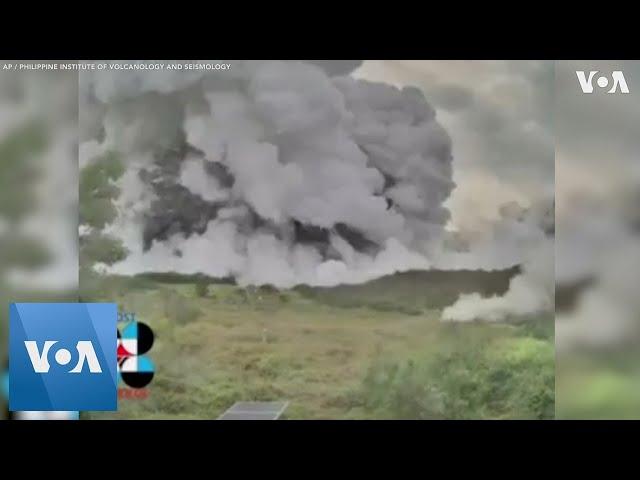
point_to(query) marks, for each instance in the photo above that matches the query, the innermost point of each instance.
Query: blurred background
(597, 189)
(597, 248)
(38, 192)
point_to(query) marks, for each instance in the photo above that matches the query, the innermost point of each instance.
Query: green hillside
(377, 350)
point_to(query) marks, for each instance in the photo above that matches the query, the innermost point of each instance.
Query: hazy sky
(598, 169)
(598, 142)
(500, 117)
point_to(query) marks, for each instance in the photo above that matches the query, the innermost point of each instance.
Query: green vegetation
(178, 309)
(98, 247)
(97, 190)
(18, 250)
(177, 278)
(599, 386)
(500, 378)
(414, 291)
(328, 360)
(202, 289)
(20, 169)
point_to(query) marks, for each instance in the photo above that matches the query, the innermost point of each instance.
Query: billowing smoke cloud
(500, 115)
(529, 293)
(598, 258)
(533, 290)
(271, 172)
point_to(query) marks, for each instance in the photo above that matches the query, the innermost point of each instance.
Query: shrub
(202, 289)
(284, 298)
(179, 310)
(240, 296)
(513, 379)
(97, 190)
(98, 247)
(267, 289)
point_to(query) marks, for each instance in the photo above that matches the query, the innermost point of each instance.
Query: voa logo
(62, 357)
(617, 81)
(40, 359)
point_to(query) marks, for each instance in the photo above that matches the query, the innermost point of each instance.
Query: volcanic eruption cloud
(270, 172)
(295, 172)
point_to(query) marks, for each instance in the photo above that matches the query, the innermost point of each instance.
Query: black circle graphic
(145, 338)
(137, 379)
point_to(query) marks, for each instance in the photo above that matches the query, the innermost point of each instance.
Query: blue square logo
(62, 356)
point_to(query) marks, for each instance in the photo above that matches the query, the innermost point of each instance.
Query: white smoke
(300, 145)
(599, 243)
(365, 168)
(530, 292)
(194, 176)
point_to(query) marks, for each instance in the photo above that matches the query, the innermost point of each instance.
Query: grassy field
(600, 386)
(375, 356)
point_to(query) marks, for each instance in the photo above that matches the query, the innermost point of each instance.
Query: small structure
(255, 411)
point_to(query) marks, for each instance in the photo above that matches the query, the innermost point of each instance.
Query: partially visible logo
(617, 81)
(62, 356)
(4, 384)
(136, 370)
